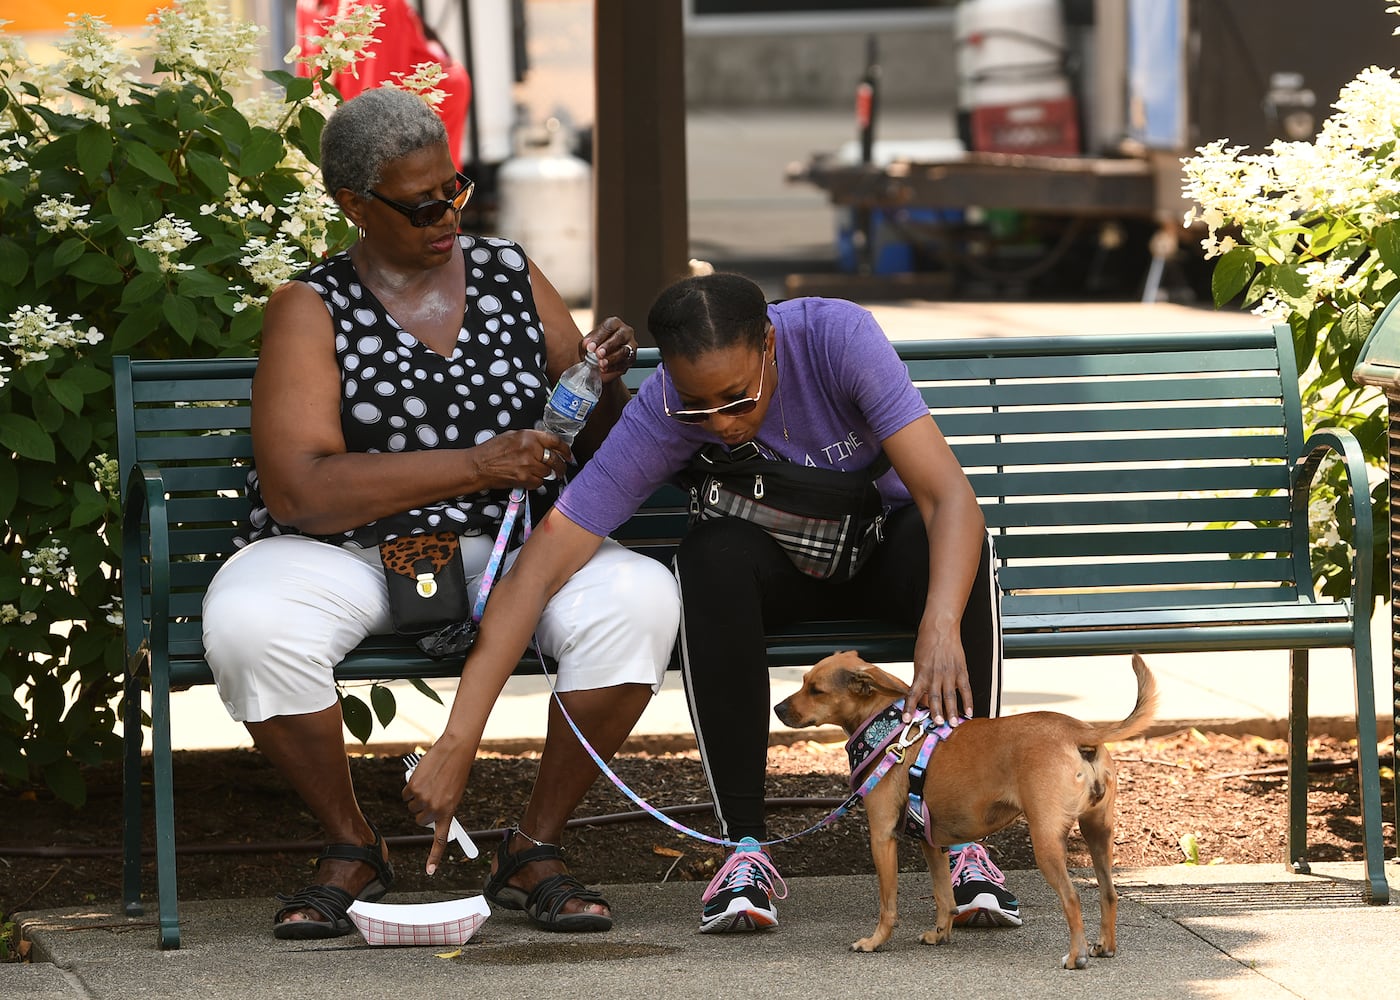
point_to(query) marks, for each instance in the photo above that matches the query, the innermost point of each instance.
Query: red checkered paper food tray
(450, 922)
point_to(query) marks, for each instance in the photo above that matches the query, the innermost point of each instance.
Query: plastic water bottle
(573, 399)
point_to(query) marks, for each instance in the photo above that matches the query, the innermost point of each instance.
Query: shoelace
(973, 862)
(743, 869)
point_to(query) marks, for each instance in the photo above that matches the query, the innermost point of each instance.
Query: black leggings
(736, 582)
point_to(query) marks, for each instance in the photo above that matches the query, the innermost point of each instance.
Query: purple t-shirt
(843, 391)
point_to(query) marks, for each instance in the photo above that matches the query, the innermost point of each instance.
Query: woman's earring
(362, 231)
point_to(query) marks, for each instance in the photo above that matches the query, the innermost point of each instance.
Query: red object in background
(1042, 128)
(403, 43)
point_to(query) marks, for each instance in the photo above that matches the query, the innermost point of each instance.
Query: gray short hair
(372, 130)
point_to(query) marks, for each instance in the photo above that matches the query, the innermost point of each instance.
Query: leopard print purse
(427, 584)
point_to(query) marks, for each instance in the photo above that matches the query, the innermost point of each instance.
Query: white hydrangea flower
(344, 39)
(9, 614)
(308, 214)
(48, 562)
(271, 262)
(37, 330)
(192, 38)
(93, 59)
(114, 614)
(423, 80)
(167, 238)
(104, 473)
(10, 147)
(57, 215)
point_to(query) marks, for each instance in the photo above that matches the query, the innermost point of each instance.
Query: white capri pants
(284, 610)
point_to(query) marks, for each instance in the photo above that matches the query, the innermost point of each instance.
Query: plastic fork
(455, 831)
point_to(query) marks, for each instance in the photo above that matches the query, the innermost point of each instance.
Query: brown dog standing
(1044, 765)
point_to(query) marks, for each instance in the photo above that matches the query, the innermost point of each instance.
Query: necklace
(779, 393)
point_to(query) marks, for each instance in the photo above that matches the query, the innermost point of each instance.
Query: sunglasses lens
(428, 213)
(738, 408)
(690, 417)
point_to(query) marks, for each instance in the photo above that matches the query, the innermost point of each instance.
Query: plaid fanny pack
(828, 522)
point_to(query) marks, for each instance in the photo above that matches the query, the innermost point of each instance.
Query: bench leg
(163, 796)
(1368, 764)
(1298, 761)
(131, 791)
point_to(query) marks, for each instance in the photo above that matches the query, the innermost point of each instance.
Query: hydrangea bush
(1309, 232)
(141, 214)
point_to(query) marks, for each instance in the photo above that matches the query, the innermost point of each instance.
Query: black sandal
(544, 903)
(331, 901)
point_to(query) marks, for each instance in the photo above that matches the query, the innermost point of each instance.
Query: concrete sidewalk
(1248, 932)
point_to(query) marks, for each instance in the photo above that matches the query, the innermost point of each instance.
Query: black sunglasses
(735, 408)
(424, 215)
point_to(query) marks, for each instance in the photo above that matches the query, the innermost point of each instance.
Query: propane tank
(546, 205)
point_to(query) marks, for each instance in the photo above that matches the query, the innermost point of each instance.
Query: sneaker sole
(985, 911)
(741, 921)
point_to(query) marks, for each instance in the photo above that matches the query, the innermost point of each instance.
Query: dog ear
(861, 683)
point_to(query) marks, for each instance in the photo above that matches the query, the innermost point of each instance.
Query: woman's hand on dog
(940, 680)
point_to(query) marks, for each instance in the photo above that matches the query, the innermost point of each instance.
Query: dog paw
(1099, 951)
(936, 937)
(1074, 962)
(867, 945)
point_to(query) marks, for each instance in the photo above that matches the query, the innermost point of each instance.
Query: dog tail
(1143, 712)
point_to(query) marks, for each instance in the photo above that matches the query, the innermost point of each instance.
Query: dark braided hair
(706, 313)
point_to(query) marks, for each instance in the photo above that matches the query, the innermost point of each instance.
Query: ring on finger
(547, 456)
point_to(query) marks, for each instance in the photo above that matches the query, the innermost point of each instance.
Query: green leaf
(148, 162)
(87, 379)
(96, 268)
(25, 437)
(182, 315)
(140, 288)
(76, 438)
(310, 124)
(425, 689)
(230, 124)
(65, 778)
(88, 506)
(263, 151)
(136, 327)
(94, 150)
(384, 705)
(68, 251)
(14, 262)
(357, 717)
(298, 89)
(9, 489)
(70, 397)
(1232, 272)
(210, 170)
(1387, 239)
(127, 207)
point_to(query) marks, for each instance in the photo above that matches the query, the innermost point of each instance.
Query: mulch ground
(244, 835)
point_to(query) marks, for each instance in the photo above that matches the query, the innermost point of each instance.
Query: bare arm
(956, 530)
(555, 551)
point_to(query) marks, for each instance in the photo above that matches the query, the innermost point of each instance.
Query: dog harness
(880, 734)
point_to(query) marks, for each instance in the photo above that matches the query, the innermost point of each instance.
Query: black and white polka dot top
(399, 395)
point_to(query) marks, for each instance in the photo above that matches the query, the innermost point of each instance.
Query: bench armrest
(145, 495)
(1343, 444)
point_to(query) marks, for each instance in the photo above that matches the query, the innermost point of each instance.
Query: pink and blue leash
(913, 731)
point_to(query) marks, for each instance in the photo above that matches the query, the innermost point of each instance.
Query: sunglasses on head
(424, 215)
(736, 408)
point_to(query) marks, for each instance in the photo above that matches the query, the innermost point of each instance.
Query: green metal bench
(1108, 468)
